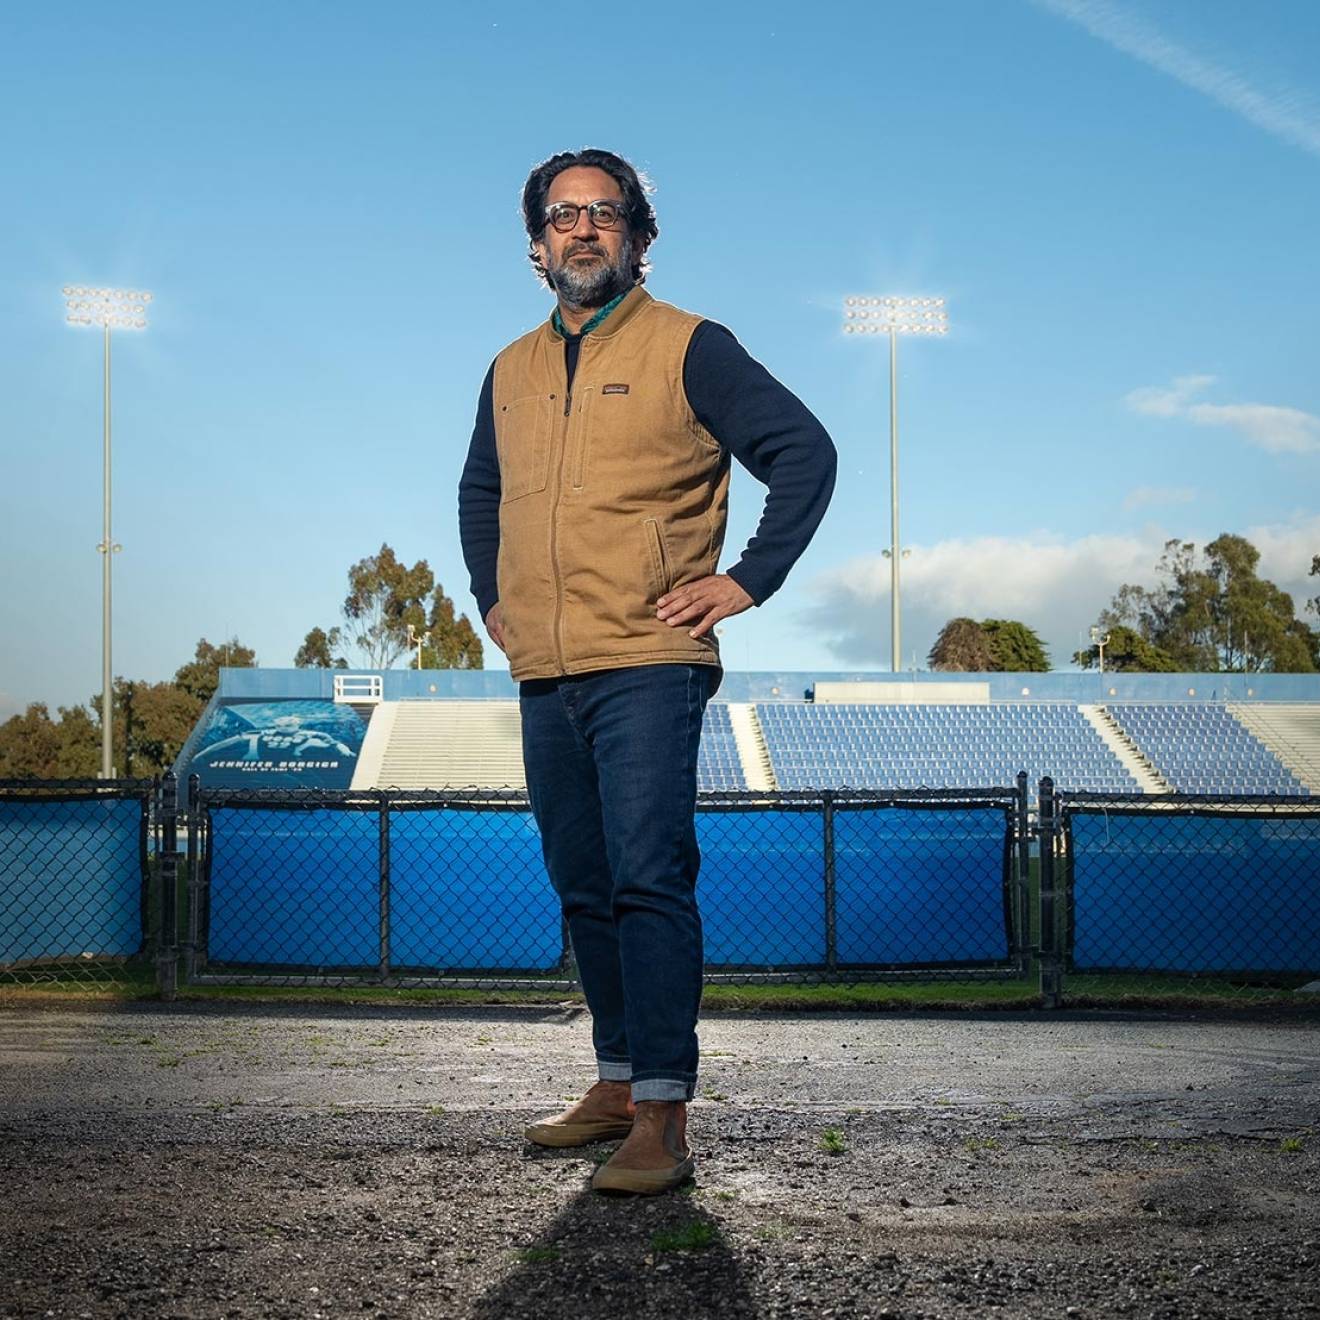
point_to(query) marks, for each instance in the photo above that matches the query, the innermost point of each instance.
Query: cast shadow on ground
(610, 1255)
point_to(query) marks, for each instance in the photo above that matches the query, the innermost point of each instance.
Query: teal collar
(557, 321)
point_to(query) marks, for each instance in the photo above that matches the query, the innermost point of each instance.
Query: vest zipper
(554, 521)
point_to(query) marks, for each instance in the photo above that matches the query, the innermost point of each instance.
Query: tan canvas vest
(610, 497)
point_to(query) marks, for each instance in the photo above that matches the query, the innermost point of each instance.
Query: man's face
(587, 266)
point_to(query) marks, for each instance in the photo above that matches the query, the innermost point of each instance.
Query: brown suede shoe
(643, 1182)
(584, 1122)
(576, 1132)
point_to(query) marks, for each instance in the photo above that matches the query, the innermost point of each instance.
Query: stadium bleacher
(1153, 734)
(937, 746)
(1204, 749)
(719, 765)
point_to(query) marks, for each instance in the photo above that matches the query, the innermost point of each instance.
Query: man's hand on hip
(708, 600)
(495, 625)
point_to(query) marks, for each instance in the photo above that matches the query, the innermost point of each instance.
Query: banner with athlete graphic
(278, 744)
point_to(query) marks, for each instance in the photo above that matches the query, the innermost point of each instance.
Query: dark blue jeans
(611, 761)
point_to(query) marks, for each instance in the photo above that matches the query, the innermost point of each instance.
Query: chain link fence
(1183, 891)
(79, 892)
(448, 888)
(1096, 896)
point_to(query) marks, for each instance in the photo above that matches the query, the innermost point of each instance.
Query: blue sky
(1118, 200)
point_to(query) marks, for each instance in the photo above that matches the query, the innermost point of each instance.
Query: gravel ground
(220, 1160)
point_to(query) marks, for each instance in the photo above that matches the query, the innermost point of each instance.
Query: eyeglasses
(602, 213)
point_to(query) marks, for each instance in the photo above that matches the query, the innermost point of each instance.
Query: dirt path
(272, 1161)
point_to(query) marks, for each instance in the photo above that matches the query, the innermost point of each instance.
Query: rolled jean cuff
(614, 1070)
(663, 1088)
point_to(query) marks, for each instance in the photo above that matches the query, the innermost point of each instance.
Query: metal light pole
(418, 640)
(894, 317)
(117, 309)
(1101, 640)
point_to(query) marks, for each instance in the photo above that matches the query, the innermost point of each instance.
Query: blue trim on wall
(1078, 688)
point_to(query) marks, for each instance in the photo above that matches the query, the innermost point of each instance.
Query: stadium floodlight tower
(111, 309)
(894, 317)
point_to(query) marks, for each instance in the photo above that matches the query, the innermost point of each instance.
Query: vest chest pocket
(522, 441)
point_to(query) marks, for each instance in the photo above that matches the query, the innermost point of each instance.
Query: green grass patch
(538, 1255)
(833, 1142)
(696, 1235)
(1291, 1146)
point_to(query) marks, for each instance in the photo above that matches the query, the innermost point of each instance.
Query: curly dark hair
(634, 185)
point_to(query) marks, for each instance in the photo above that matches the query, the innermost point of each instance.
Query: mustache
(581, 246)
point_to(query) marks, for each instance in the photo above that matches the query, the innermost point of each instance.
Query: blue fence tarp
(296, 888)
(761, 888)
(469, 890)
(921, 888)
(1195, 893)
(70, 879)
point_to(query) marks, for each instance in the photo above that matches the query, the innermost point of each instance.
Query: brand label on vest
(614, 389)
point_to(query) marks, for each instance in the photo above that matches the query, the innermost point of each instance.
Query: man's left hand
(708, 600)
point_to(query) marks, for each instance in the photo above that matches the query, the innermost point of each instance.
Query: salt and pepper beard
(595, 286)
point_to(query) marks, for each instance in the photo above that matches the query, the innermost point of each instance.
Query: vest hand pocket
(522, 441)
(661, 573)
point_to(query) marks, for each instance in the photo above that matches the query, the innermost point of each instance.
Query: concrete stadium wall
(1076, 687)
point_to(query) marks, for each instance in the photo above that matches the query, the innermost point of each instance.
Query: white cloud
(1285, 556)
(1170, 401)
(1282, 112)
(1139, 497)
(1055, 585)
(1277, 430)
(1269, 427)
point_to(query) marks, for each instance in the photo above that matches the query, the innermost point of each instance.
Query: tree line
(152, 721)
(1209, 612)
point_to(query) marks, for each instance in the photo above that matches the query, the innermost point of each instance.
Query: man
(592, 512)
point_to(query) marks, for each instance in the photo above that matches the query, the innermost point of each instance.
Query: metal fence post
(384, 808)
(194, 886)
(1023, 905)
(831, 897)
(1051, 971)
(167, 951)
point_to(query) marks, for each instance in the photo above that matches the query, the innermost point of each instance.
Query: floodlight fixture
(111, 309)
(868, 314)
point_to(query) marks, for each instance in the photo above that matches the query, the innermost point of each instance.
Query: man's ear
(542, 252)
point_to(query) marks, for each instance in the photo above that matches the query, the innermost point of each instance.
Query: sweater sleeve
(479, 502)
(770, 431)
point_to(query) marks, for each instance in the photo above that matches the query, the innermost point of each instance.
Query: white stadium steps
(1127, 751)
(1291, 732)
(449, 744)
(752, 750)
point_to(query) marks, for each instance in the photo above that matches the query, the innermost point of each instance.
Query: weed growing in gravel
(436, 1111)
(694, 1236)
(709, 1094)
(725, 1196)
(1291, 1146)
(974, 1145)
(832, 1141)
(538, 1255)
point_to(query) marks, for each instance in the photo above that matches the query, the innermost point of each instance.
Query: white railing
(357, 689)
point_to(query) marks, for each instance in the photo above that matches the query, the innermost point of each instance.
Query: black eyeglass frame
(590, 209)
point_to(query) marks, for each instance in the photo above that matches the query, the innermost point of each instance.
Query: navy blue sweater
(764, 426)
